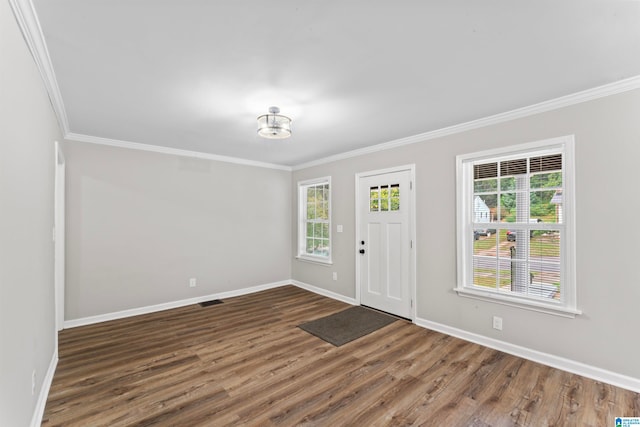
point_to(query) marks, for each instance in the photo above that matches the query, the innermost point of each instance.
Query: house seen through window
(516, 242)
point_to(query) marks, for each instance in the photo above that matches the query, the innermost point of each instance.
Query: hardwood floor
(244, 362)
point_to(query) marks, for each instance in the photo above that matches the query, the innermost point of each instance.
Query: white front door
(384, 243)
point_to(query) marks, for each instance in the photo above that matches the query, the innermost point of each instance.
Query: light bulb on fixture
(274, 125)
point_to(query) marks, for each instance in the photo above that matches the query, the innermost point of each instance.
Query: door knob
(362, 251)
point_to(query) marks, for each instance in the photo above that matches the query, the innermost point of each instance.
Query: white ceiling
(195, 74)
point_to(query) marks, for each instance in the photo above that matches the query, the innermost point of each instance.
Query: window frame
(567, 306)
(302, 221)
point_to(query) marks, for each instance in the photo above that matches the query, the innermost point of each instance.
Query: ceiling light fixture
(274, 125)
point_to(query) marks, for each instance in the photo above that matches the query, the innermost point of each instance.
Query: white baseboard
(169, 305)
(568, 365)
(38, 412)
(181, 303)
(323, 292)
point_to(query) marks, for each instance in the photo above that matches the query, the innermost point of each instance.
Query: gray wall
(140, 224)
(28, 129)
(607, 135)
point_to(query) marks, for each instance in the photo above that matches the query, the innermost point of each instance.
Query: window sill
(539, 307)
(325, 262)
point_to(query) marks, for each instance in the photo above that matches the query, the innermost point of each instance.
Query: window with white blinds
(314, 220)
(515, 228)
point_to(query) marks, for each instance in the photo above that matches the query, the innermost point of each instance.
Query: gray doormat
(348, 325)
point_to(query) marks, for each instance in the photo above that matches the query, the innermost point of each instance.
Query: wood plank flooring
(244, 362)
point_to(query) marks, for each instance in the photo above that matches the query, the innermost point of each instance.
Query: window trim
(302, 210)
(568, 307)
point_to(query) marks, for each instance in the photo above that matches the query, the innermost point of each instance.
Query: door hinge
(411, 244)
(412, 303)
(410, 185)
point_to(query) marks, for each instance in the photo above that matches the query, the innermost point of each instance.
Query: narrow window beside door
(314, 220)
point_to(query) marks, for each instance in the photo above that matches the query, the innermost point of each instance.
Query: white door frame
(59, 236)
(412, 229)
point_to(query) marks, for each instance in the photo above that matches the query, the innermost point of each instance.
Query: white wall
(140, 224)
(607, 135)
(28, 129)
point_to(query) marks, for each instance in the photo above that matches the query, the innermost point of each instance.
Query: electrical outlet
(335, 275)
(192, 282)
(33, 382)
(497, 323)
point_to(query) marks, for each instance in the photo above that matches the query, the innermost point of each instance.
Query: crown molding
(542, 107)
(174, 151)
(29, 24)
